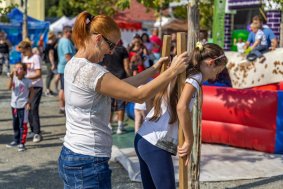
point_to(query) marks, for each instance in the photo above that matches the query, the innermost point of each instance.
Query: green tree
(5, 10)
(57, 8)
(205, 10)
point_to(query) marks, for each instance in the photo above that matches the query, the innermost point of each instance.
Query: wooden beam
(166, 47)
(183, 171)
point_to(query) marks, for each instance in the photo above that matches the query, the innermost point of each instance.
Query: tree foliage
(5, 10)
(57, 8)
(280, 2)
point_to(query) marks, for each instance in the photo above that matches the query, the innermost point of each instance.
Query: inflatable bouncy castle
(245, 114)
(246, 118)
(249, 115)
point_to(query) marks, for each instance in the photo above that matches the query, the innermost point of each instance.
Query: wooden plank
(183, 171)
(166, 47)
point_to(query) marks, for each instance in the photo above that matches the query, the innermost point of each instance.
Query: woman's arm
(185, 121)
(36, 75)
(31, 93)
(111, 86)
(51, 58)
(143, 77)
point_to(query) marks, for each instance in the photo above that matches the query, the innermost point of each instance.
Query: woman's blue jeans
(82, 171)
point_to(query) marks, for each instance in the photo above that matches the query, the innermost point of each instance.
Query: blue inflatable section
(279, 125)
(130, 110)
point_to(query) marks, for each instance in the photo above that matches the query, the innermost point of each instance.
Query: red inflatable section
(242, 118)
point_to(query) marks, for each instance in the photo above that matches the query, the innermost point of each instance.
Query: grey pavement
(36, 168)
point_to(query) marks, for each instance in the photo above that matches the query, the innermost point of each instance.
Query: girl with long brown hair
(157, 139)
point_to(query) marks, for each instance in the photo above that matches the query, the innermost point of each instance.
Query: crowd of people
(97, 76)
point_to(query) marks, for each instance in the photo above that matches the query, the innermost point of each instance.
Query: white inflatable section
(245, 74)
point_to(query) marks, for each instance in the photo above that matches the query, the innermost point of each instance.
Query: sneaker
(30, 135)
(21, 148)
(12, 144)
(119, 131)
(37, 138)
(48, 94)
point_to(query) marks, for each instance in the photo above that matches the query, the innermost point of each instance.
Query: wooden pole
(193, 31)
(166, 47)
(183, 171)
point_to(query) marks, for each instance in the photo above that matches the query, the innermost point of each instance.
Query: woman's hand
(159, 63)
(185, 151)
(180, 62)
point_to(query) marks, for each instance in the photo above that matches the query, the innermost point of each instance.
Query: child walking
(21, 96)
(157, 139)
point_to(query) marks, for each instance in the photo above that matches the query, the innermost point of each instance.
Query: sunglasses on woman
(110, 43)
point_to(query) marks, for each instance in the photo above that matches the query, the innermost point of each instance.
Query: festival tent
(134, 20)
(36, 29)
(171, 25)
(59, 24)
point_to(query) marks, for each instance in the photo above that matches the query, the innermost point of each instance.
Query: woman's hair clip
(199, 45)
(89, 19)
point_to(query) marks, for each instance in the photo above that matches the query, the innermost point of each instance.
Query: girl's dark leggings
(156, 165)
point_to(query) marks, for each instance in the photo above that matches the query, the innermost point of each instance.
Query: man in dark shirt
(118, 64)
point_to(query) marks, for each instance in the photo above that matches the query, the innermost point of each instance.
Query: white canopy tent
(59, 24)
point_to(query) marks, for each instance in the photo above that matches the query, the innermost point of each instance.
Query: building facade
(36, 8)
(246, 9)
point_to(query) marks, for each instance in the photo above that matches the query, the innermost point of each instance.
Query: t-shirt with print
(65, 46)
(260, 36)
(268, 34)
(87, 111)
(33, 63)
(161, 133)
(20, 92)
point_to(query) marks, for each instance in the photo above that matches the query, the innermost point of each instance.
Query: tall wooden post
(193, 30)
(166, 47)
(183, 171)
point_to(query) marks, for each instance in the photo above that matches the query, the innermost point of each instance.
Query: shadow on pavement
(259, 183)
(22, 177)
(6, 139)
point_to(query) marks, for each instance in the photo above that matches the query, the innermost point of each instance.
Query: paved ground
(36, 168)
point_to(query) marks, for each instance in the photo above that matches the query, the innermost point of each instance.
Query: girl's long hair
(209, 50)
